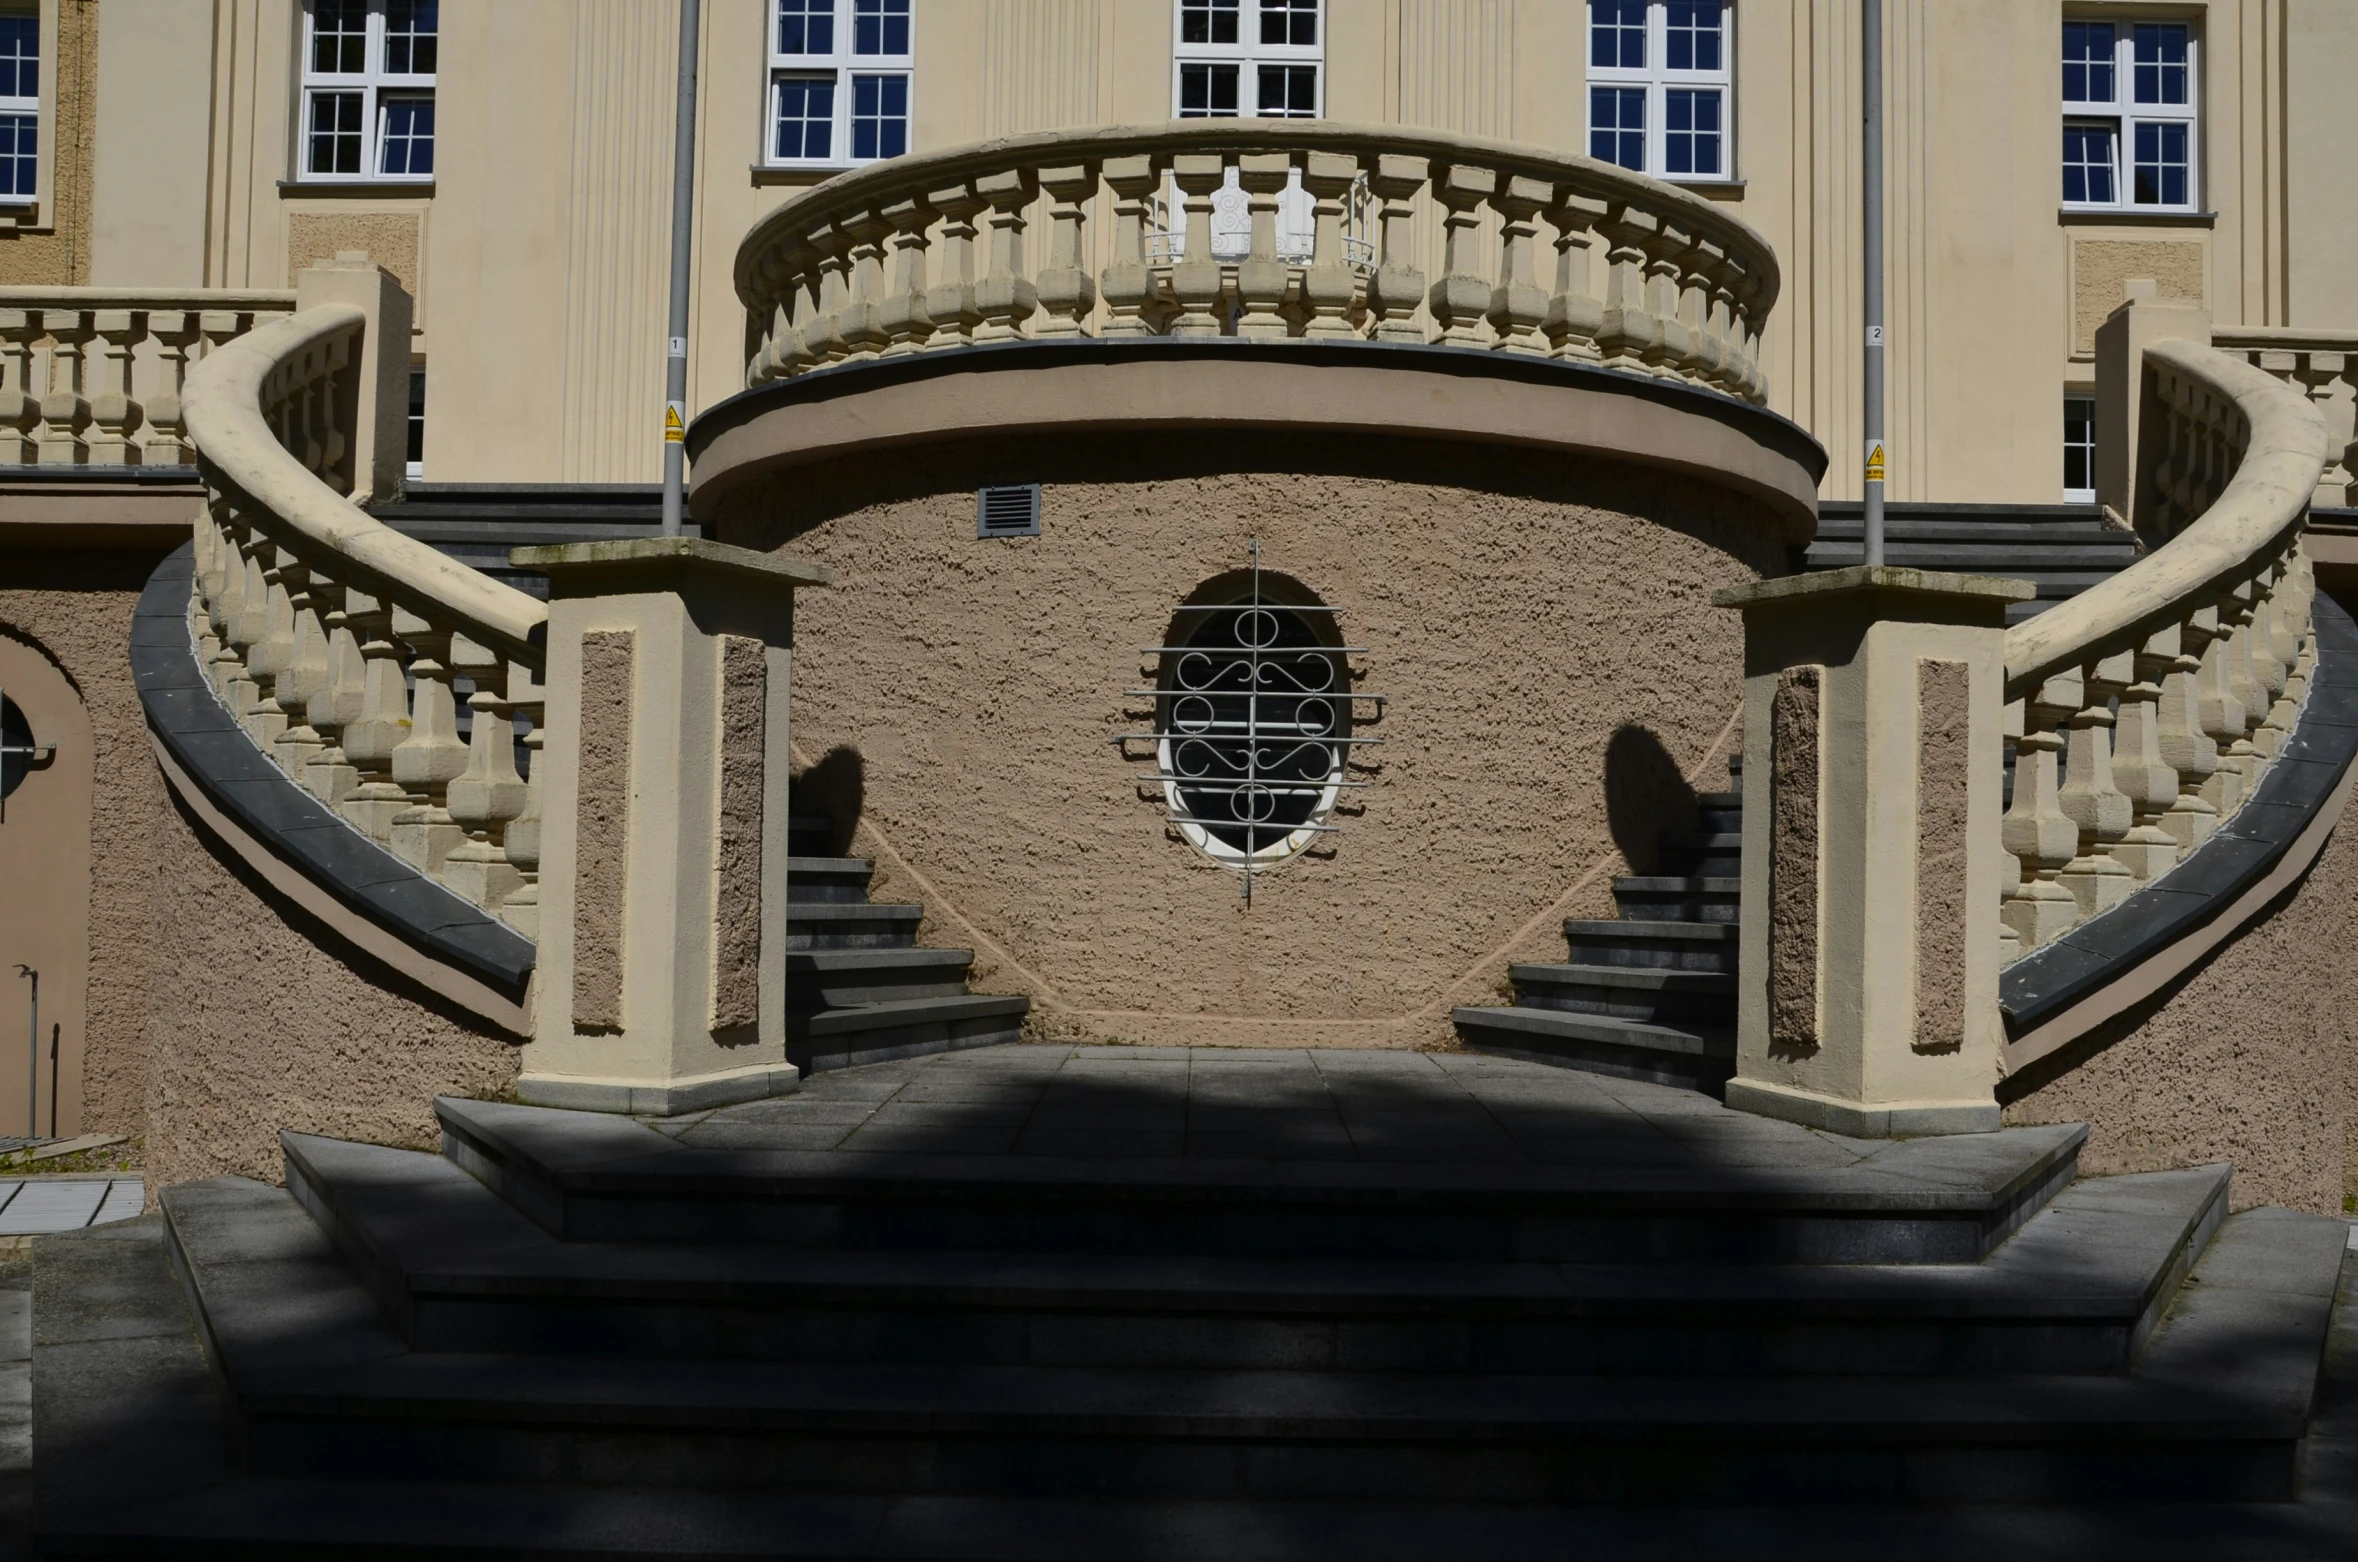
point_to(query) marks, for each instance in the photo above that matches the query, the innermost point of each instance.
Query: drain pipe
(33, 1058)
(1871, 178)
(683, 217)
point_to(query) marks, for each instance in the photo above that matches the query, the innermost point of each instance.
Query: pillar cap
(1904, 589)
(590, 569)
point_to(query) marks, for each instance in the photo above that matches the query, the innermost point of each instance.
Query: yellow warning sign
(1875, 461)
(674, 431)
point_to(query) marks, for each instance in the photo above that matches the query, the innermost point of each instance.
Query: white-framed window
(1661, 87)
(1249, 59)
(368, 90)
(839, 82)
(2079, 449)
(416, 464)
(2131, 115)
(20, 107)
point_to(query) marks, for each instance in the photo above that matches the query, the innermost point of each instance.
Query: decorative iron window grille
(1255, 718)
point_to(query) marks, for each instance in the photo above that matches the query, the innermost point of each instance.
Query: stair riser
(817, 1054)
(833, 889)
(1684, 1011)
(1701, 863)
(1708, 1075)
(887, 1330)
(850, 935)
(1719, 821)
(809, 995)
(1645, 907)
(1662, 955)
(1767, 1465)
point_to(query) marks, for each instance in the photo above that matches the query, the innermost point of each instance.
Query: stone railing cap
(606, 568)
(1887, 579)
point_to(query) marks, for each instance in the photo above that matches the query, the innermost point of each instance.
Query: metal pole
(33, 1058)
(683, 213)
(1871, 177)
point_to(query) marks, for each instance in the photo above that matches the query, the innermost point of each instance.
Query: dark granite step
(1665, 945)
(1622, 1048)
(819, 924)
(1682, 999)
(1679, 899)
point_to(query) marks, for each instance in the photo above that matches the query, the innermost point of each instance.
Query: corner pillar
(375, 399)
(2125, 415)
(1868, 971)
(661, 985)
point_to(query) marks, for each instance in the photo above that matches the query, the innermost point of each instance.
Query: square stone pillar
(661, 984)
(2125, 415)
(375, 399)
(1867, 984)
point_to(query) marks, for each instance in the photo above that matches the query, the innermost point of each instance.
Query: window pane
(2161, 62)
(1289, 22)
(2162, 174)
(880, 26)
(339, 37)
(2087, 62)
(806, 117)
(1695, 36)
(406, 144)
(410, 35)
(333, 145)
(417, 417)
(880, 116)
(1617, 125)
(1207, 21)
(1288, 92)
(1690, 131)
(2079, 444)
(2088, 157)
(1617, 33)
(20, 57)
(20, 145)
(1207, 92)
(806, 26)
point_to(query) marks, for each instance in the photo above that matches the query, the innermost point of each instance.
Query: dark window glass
(1617, 33)
(2087, 165)
(20, 155)
(806, 26)
(411, 30)
(407, 145)
(1690, 131)
(1288, 92)
(417, 417)
(1208, 21)
(1207, 92)
(16, 746)
(2087, 62)
(2079, 443)
(2162, 172)
(339, 37)
(2160, 62)
(1695, 37)
(1289, 22)
(20, 57)
(806, 116)
(334, 139)
(880, 116)
(1617, 125)
(880, 26)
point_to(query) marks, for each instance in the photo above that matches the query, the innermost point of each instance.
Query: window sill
(1708, 187)
(365, 189)
(798, 173)
(2132, 216)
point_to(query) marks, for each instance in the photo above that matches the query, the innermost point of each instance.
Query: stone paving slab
(33, 1206)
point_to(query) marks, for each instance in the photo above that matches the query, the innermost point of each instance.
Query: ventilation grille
(1011, 510)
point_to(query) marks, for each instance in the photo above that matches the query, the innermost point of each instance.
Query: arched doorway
(45, 782)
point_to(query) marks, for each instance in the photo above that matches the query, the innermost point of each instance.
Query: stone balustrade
(96, 376)
(345, 649)
(1259, 229)
(2145, 710)
(2322, 365)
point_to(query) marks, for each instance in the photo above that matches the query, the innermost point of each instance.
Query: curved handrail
(238, 451)
(1687, 287)
(2254, 518)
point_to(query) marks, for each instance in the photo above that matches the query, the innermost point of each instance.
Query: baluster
(1129, 286)
(823, 338)
(1262, 280)
(1755, 379)
(2321, 376)
(1068, 294)
(1700, 361)
(1460, 301)
(1005, 298)
(1517, 305)
(2250, 693)
(338, 699)
(204, 585)
(949, 303)
(1197, 280)
(1722, 326)
(2185, 747)
(785, 354)
(304, 672)
(2036, 830)
(236, 612)
(1670, 343)
(270, 651)
(906, 324)
(431, 756)
(2090, 798)
(335, 443)
(175, 332)
(64, 411)
(861, 324)
(1628, 329)
(1575, 314)
(2138, 767)
(1329, 286)
(2221, 712)
(20, 408)
(114, 411)
(383, 723)
(521, 910)
(488, 793)
(1397, 287)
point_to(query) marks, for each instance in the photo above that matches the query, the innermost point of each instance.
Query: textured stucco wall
(76, 607)
(2248, 1059)
(1542, 627)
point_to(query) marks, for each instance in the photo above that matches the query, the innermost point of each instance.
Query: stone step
(1688, 899)
(842, 925)
(456, 1269)
(2216, 1410)
(1672, 946)
(590, 1177)
(1689, 1000)
(827, 879)
(818, 979)
(1622, 1048)
(1719, 818)
(1719, 854)
(902, 1028)
(2034, 537)
(811, 835)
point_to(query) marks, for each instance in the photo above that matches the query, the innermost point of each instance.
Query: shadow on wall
(1646, 796)
(835, 785)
